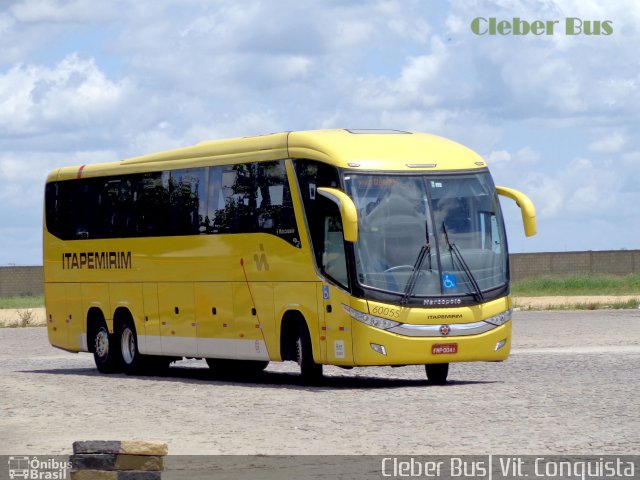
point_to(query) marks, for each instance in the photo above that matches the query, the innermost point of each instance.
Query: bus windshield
(428, 235)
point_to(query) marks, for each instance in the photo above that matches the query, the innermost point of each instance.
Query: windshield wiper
(413, 279)
(456, 251)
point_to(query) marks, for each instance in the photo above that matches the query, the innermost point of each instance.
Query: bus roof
(356, 149)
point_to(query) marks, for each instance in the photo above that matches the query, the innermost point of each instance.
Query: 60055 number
(386, 311)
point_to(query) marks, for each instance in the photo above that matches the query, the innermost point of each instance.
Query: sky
(555, 115)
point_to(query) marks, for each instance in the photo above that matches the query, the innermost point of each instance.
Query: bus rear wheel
(132, 360)
(310, 371)
(437, 373)
(105, 351)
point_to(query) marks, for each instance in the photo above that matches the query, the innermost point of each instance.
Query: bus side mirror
(527, 208)
(348, 211)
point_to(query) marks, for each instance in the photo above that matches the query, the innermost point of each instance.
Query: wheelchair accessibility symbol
(449, 280)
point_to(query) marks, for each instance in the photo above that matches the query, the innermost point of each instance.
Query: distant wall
(609, 262)
(15, 281)
(28, 280)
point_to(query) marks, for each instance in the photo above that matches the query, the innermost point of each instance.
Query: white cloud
(427, 81)
(58, 10)
(499, 156)
(455, 24)
(73, 94)
(41, 28)
(6, 23)
(548, 195)
(523, 156)
(527, 155)
(632, 158)
(612, 143)
(580, 190)
(419, 75)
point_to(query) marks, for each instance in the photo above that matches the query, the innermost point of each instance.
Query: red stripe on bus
(80, 171)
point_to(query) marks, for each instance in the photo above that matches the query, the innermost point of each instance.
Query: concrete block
(128, 447)
(112, 461)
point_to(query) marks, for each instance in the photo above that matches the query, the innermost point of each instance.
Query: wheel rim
(128, 345)
(102, 343)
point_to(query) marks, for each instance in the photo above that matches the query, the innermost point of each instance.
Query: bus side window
(496, 242)
(311, 175)
(269, 194)
(153, 204)
(236, 215)
(117, 192)
(274, 206)
(186, 189)
(490, 234)
(334, 262)
(55, 209)
(323, 218)
(218, 181)
(84, 218)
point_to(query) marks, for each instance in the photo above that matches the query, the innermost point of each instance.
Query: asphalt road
(570, 387)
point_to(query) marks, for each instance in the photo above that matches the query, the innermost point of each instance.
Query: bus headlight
(378, 348)
(371, 320)
(500, 319)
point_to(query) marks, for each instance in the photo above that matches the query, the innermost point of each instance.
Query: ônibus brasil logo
(36, 469)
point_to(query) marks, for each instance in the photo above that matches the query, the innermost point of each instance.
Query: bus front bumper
(373, 346)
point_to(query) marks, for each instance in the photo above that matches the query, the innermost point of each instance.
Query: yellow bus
(327, 247)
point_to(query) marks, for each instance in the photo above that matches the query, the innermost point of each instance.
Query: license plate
(444, 348)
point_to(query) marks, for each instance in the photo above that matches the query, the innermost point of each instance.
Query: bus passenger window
(334, 262)
(273, 201)
(186, 187)
(153, 204)
(236, 214)
(312, 174)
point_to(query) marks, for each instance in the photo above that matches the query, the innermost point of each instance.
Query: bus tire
(437, 373)
(106, 352)
(132, 360)
(310, 371)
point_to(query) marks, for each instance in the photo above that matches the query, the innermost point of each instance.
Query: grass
(618, 305)
(629, 304)
(35, 301)
(577, 285)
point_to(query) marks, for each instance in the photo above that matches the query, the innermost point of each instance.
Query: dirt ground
(22, 317)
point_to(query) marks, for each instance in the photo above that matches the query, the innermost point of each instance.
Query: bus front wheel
(437, 373)
(310, 371)
(105, 351)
